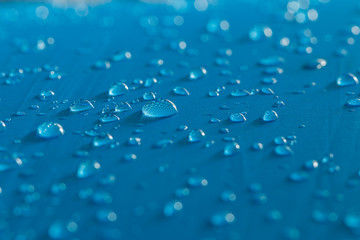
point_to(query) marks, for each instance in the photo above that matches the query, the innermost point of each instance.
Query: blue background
(139, 186)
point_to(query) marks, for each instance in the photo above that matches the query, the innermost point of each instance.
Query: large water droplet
(222, 219)
(231, 149)
(102, 140)
(118, 89)
(81, 105)
(196, 135)
(355, 102)
(237, 117)
(87, 169)
(270, 116)
(197, 73)
(181, 91)
(159, 109)
(172, 208)
(50, 130)
(9, 161)
(346, 79)
(283, 150)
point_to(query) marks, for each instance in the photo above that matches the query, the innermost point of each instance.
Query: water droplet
(270, 116)
(2, 126)
(197, 73)
(182, 192)
(280, 140)
(149, 96)
(222, 219)
(355, 102)
(237, 117)
(50, 130)
(87, 169)
(231, 148)
(316, 64)
(102, 64)
(324, 217)
(271, 61)
(196, 135)
(118, 89)
(107, 118)
(299, 176)
(134, 141)
(121, 56)
(102, 140)
(181, 91)
(81, 105)
(9, 161)
(273, 216)
(163, 143)
(159, 109)
(273, 71)
(213, 94)
(352, 221)
(106, 215)
(311, 164)
(228, 196)
(129, 157)
(149, 82)
(267, 91)
(239, 93)
(257, 146)
(172, 208)
(45, 95)
(283, 150)
(269, 80)
(347, 79)
(197, 182)
(260, 32)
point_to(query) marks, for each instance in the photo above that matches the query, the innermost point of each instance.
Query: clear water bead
(118, 89)
(231, 148)
(87, 169)
(237, 117)
(239, 93)
(222, 219)
(355, 102)
(159, 109)
(102, 140)
(283, 150)
(181, 91)
(196, 135)
(81, 105)
(9, 161)
(172, 208)
(197, 73)
(45, 95)
(50, 130)
(347, 79)
(270, 116)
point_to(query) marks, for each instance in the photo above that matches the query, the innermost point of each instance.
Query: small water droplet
(172, 208)
(231, 148)
(45, 95)
(354, 102)
(148, 96)
(222, 219)
(283, 150)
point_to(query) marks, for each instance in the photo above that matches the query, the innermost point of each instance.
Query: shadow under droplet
(32, 137)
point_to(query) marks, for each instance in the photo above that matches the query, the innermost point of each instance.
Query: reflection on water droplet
(197, 73)
(159, 109)
(118, 89)
(355, 102)
(81, 105)
(270, 116)
(231, 148)
(50, 130)
(172, 208)
(181, 91)
(283, 150)
(237, 117)
(196, 135)
(102, 140)
(87, 169)
(347, 79)
(45, 95)
(222, 219)
(107, 118)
